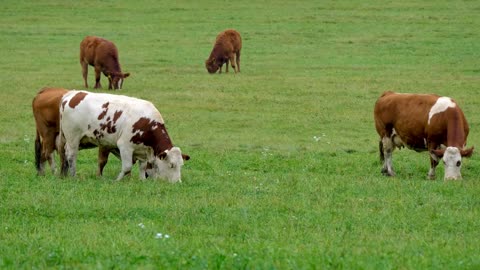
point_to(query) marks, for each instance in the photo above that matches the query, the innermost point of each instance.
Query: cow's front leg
(387, 148)
(126, 156)
(97, 78)
(433, 165)
(143, 169)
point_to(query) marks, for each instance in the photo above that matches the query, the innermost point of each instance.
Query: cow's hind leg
(387, 149)
(233, 62)
(97, 78)
(84, 65)
(71, 151)
(102, 159)
(38, 155)
(48, 149)
(60, 143)
(238, 61)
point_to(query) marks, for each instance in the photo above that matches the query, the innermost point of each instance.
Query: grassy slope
(260, 191)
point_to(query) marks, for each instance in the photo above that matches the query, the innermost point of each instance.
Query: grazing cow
(422, 122)
(133, 126)
(45, 107)
(46, 111)
(226, 48)
(103, 56)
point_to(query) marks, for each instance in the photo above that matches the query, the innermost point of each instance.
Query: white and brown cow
(422, 122)
(46, 112)
(132, 125)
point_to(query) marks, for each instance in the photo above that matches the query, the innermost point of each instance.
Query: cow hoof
(387, 173)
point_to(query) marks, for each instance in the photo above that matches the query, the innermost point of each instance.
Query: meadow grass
(284, 171)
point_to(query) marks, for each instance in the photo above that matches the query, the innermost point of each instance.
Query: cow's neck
(162, 140)
(113, 66)
(455, 129)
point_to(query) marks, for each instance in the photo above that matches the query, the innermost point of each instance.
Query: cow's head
(169, 164)
(212, 65)
(452, 158)
(115, 80)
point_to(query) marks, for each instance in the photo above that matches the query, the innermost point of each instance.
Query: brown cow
(46, 111)
(226, 48)
(46, 106)
(422, 122)
(103, 56)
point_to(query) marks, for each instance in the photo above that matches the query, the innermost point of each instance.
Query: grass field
(284, 171)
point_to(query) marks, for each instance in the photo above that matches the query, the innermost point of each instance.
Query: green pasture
(284, 170)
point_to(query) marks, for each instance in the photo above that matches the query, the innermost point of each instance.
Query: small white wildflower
(167, 236)
(141, 225)
(159, 236)
(316, 138)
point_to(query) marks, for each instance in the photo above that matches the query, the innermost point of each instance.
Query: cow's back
(46, 106)
(96, 50)
(104, 117)
(406, 113)
(229, 40)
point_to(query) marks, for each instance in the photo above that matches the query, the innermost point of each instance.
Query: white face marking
(119, 84)
(442, 104)
(170, 167)
(453, 163)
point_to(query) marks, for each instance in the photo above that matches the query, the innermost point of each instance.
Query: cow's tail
(38, 152)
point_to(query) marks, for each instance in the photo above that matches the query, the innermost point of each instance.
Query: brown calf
(103, 56)
(226, 48)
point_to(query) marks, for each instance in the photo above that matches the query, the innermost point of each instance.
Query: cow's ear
(467, 152)
(163, 155)
(125, 75)
(185, 157)
(438, 152)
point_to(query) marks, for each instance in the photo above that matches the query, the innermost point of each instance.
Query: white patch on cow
(442, 104)
(138, 133)
(397, 141)
(453, 163)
